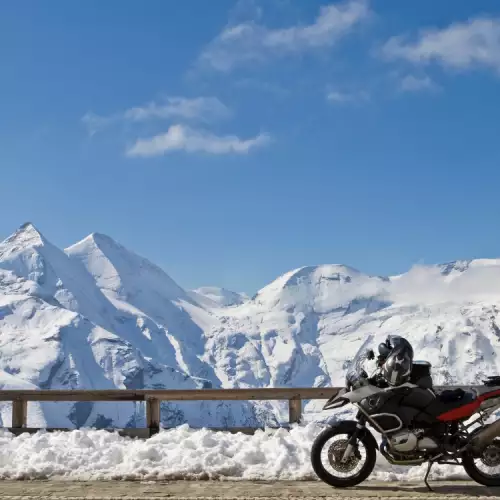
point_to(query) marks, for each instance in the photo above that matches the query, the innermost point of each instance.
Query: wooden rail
(153, 398)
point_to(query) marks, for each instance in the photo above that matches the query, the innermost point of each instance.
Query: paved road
(240, 490)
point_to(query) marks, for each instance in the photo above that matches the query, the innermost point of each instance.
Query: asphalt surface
(240, 490)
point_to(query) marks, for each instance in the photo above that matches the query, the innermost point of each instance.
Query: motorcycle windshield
(356, 375)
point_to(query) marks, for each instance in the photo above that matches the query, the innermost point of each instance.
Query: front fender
(348, 427)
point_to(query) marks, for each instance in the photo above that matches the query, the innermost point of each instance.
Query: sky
(232, 141)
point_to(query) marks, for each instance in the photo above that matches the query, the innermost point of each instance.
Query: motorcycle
(417, 423)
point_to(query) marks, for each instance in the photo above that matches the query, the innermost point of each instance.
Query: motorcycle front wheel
(326, 458)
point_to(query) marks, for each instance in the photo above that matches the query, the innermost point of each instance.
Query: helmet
(397, 368)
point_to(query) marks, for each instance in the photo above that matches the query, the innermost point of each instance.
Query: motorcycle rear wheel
(491, 458)
(320, 446)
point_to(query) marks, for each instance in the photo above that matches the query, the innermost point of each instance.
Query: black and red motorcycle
(417, 423)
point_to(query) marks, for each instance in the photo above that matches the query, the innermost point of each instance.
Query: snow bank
(180, 453)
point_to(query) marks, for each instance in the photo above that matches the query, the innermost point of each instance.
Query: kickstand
(427, 475)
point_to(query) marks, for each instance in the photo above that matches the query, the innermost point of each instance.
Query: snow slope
(97, 315)
(102, 317)
(213, 296)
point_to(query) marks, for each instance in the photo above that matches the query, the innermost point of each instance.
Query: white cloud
(199, 108)
(462, 46)
(96, 123)
(412, 83)
(338, 97)
(180, 137)
(202, 109)
(251, 42)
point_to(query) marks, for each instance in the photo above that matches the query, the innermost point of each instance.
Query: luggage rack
(492, 381)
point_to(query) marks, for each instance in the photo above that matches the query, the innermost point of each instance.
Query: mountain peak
(99, 239)
(26, 236)
(99, 242)
(314, 274)
(116, 268)
(115, 253)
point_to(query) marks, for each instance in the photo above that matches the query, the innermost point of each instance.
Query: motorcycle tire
(474, 473)
(336, 482)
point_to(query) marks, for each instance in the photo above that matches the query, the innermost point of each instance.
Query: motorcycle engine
(407, 441)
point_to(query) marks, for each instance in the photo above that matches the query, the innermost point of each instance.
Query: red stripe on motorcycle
(467, 410)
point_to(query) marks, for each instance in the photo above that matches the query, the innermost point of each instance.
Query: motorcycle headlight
(355, 380)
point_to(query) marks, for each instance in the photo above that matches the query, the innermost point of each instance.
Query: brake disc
(336, 452)
(491, 456)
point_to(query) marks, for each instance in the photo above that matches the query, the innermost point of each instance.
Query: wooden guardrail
(153, 398)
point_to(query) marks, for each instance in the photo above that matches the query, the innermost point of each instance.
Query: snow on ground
(180, 453)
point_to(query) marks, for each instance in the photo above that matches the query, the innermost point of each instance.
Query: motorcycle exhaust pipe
(484, 437)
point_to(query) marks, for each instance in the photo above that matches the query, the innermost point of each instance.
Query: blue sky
(230, 142)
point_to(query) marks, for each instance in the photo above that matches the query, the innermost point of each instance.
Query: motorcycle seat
(449, 399)
(455, 395)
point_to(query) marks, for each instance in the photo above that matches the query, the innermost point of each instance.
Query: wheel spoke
(333, 465)
(488, 464)
(333, 452)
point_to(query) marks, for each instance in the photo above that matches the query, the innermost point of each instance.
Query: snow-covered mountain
(99, 316)
(213, 296)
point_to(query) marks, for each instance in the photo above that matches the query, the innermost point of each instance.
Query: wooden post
(153, 415)
(19, 413)
(294, 410)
